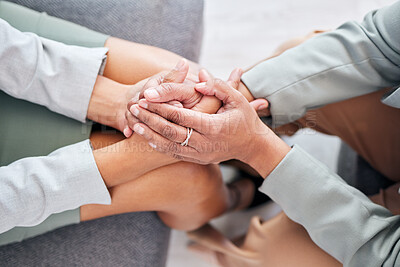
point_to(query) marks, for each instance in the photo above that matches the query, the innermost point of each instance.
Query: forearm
(129, 62)
(33, 188)
(128, 159)
(48, 73)
(108, 102)
(354, 60)
(339, 218)
(282, 48)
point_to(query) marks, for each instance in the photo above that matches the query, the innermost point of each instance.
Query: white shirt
(62, 78)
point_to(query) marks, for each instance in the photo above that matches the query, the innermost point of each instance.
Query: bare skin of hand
(110, 98)
(235, 123)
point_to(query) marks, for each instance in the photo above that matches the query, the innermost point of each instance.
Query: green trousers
(28, 129)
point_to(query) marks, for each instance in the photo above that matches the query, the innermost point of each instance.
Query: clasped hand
(225, 126)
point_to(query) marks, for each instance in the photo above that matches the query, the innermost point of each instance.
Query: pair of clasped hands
(204, 120)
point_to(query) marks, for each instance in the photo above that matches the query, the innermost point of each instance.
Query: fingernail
(138, 129)
(152, 145)
(134, 110)
(127, 132)
(180, 64)
(151, 94)
(143, 103)
(262, 106)
(201, 85)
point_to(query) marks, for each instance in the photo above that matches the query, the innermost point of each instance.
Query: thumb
(261, 105)
(234, 78)
(220, 89)
(165, 92)
(204, 76)
(177, 74)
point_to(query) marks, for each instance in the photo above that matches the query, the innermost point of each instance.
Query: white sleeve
(58, 76)
(31, 189)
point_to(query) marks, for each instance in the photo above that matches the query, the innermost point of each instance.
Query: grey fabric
(136, 239)
(57, 76)
(175, 25)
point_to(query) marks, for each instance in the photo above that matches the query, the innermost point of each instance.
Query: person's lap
(33, 130)
(365, 124)
(106, 138)
(183, 201)
(49, 131)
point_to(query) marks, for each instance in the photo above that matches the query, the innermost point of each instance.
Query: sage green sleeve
(355, 59)
(339, 218)
(48, 131)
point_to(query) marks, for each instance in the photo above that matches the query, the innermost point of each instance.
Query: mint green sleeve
(339, 218)
(355, 59)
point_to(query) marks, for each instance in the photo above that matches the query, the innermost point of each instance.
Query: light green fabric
(55, 221)
(32, 130)
(356, 59)
(339, 218)
(27, 20)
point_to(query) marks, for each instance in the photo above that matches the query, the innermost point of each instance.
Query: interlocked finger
(164, 145)
(167, 129)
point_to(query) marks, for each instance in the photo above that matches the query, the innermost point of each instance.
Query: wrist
(267, 152)
(128, 159)
(107, 102)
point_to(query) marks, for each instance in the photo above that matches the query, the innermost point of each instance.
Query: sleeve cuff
(85, 184)
(339, 218)
(277, 83)
(298, 174)
(83, 65)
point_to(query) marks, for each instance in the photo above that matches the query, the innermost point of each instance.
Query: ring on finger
(189, 134)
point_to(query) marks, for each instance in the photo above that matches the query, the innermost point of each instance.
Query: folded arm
(48, 73)
(339, 218)
(353, 60)
(33, 188)
(64, 79)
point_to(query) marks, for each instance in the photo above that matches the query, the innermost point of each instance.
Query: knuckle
(219, 83)
(143, 116)
(160, 77)
(169, 132)
(166, 88)
(177, 117)
(170, 76)
(173, 147)
(170, 147)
